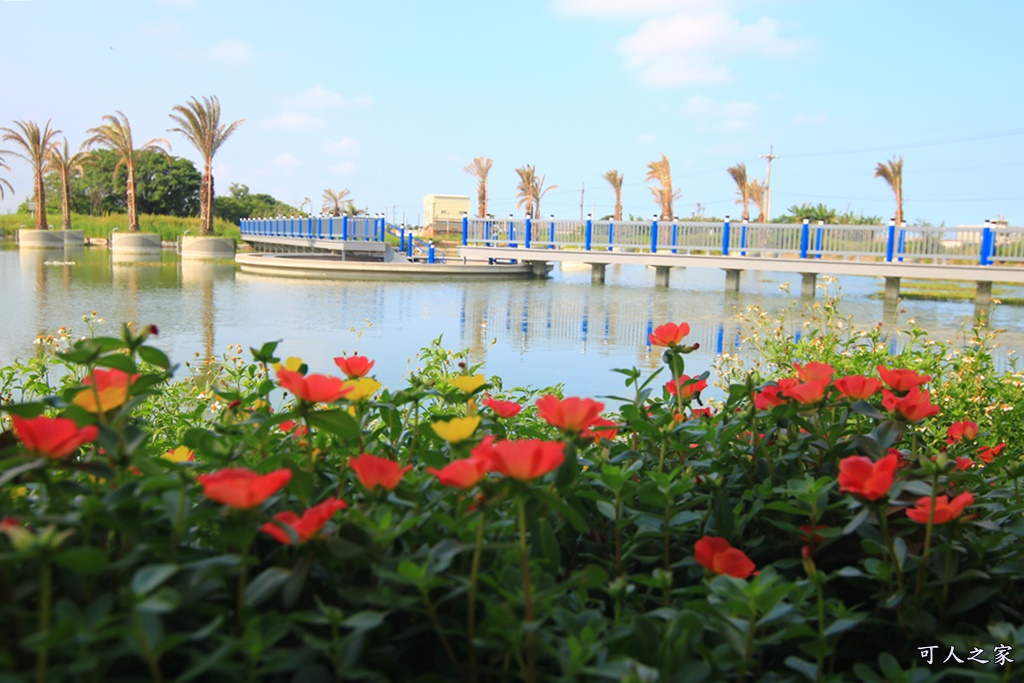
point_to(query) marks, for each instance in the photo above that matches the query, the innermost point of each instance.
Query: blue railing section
(354, 228)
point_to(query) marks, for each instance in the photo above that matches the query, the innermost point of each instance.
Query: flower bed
(844, 515)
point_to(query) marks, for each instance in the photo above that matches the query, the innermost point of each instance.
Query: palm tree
(615, 179)
(479, 168)
(200, 124)
(33, 143)
(334, 202)
(115, 133)
(755, 190)
(527, 188)
(3, 181)
(739, 176)
(539, 191)
(61, 161)
(892, 173)
(661, 172)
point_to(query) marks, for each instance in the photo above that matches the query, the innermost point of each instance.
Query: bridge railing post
(817, 240)
(901, 244)
(984, 258)
(726, 230)
(611, 234)
(890, 240)
(675, 236)
(465, 230)
(319, 227)
(654, 234)
(344, 227)
(408, 247)
(588, 236)
(330, 227)
(743, 239)
(430, 251)
(552, 230)
(511, 231)
(529, 229)
(487, 233)
(401, 238)
(804, 237)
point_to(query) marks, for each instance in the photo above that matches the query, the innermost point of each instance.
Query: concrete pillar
(661, 276)
(540, 269)
(983, 295)
(892, 289)
(807, 283)
(732, 280)
(597, 271)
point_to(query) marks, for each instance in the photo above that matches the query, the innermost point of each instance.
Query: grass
(168, 227)
(947, 291)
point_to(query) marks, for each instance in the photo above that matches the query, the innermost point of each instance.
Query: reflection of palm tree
(3, 181)
(334, 202)
(479, 168)
(115, 133)
(200, 124)
(661, 172)
(614, 178)
(61, 161)
(739, 176)
(208, 331)
(755, 190)
(527, 188)
(539, 191)
(34, 144)
(892, 173)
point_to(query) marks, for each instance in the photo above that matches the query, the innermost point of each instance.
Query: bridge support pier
(540, 269)
(597, 272)
(732, 280)
(661, 276)
(807, 284)
(983, 294)
(892, 289)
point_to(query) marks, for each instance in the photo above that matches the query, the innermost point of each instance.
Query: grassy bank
(168, 227)
(953, 291)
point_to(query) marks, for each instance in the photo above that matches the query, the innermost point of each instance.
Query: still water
(531, 333)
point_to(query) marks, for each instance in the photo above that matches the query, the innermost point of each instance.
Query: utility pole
(700, 212)
(768, 183)
(583, 188)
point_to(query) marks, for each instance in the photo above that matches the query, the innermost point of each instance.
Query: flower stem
(922, 570)
(883, 522)
(45, 605)
(531, 663)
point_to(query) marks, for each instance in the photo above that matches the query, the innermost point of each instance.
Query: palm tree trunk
(40, 203)
(618, 204)
(206, 202)
(133, 219)
(65, 203)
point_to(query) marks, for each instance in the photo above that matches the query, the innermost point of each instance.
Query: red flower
(913, 407)
(961, 431)
(354, 366)
(289, 425)
(987, 454)
(461, 474)
(963, 463)
(241, 488)
(858, 386)
(945, 510)
(306, 526)
(716, 554)
(703, 412)
(314, 388)
(814, 372)
(768, 398)
(603, 433)
(52, 437)
(521, 460)
(867, 479)
(902, 379)
(808, 392)
(808, 533)
(104, 390)
(504, 409)
(570, 414)
(668, 334)
(373, 471)
(685, 386)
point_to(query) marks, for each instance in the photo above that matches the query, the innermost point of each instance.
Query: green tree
(892, 173)
(479, 168)
(821, 212)
(739, 176)
(240, 203)
(32, 143)
(115, 133)
(201, 126)
(614, 179)
(335, 203)
(63, 165)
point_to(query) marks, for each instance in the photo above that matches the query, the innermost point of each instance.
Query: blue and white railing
(413, 247)
(353, 228)
(982, 245)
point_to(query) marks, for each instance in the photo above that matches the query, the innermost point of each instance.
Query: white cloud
(231, 52)
(686, 48)
(811, 119)
(729, 117)
(347, 167)
(294, 120)
(286, 160)
(362, 100)
(645, 138)
(342, 147)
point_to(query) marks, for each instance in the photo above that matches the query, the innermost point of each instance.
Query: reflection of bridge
(880, 251)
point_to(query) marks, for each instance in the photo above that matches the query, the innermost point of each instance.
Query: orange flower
(461, 474)
(961, 431)
(902, 379)
(504, 409)
(858, 386)
(945, 510)
(685, 386)
(668, 334)
(707, 412)
(314, 388)
(716, 554)
(241, 488)
(814, 372)
(603, 433)
(306, 526)
(867, 479)
(987, 454)
(913, 407)
(521, 460)
(571, 414)
(808, 392)
(354, 366)
(104, 390)
(52, 437)
(373, 471)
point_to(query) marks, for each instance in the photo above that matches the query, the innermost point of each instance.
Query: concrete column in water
(807, 283)
(540, 268)
(661, 276)
(983, 295)
(597, 271)
(892, 289)
(732, 280)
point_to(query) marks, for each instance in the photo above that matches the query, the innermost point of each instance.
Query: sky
(392, 100)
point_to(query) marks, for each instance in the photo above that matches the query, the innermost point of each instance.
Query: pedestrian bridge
(982, 254)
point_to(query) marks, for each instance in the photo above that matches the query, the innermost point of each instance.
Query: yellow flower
(292, 363)
(457, 429)
(179, 454)
(363, 387)
(468, 383)
(104, 390)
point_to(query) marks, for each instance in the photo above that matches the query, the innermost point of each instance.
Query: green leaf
(119, 362)
(151, 576)
(802, 666)
(155, 356)
(971, 598)
(14, 472)
(856, 521)
(86, 560)
(265, 585)
(840, 626)
(367, 620)
(606, 509)
(337, 422)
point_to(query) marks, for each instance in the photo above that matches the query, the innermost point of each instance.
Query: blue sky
(392, 99)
